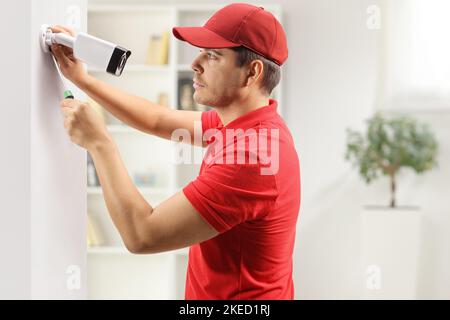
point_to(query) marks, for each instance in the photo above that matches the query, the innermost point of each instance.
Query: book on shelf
(186, 96)
(94, 236)
(163, 99)
(158, 49)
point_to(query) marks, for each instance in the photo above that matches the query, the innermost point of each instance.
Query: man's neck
(238, 108)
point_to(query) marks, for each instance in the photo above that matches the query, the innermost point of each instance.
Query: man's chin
(200, 100)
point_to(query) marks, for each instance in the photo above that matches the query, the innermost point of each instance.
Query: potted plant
(391, 234)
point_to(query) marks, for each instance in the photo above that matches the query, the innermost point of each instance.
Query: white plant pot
(390, 252)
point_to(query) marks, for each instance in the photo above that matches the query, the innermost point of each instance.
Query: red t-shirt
(253, 204)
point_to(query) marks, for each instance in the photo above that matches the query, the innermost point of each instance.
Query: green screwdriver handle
(68, 94)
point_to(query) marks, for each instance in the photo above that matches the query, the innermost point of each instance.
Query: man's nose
(196, 66)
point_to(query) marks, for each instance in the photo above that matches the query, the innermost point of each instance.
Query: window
(417, 55)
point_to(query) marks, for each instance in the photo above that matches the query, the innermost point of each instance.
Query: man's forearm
(135, 111)
(126, 206)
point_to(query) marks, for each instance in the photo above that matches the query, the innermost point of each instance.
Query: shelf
(107, 250)
(120, 8)
(143, 190)
(120, 250)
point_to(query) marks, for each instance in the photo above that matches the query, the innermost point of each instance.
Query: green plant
(389, 145)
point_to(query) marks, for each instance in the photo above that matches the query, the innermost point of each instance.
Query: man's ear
(255, 71)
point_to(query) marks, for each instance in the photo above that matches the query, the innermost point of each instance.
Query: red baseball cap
(240, 24)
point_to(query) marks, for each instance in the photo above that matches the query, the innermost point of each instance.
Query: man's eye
(210, 54)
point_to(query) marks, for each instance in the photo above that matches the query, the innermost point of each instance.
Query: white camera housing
(94, 51)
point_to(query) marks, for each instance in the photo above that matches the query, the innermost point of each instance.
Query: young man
(239, 216)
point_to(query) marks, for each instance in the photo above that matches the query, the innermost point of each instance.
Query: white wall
(43, 187)
(16, 149)
(330, 84)
(431, 192)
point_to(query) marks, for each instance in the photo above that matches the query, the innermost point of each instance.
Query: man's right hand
(71, 67)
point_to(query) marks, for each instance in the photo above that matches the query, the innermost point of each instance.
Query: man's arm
(173, 224)
(141, 113)
(135, 111)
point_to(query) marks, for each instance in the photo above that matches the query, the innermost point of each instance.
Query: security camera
(100, 53)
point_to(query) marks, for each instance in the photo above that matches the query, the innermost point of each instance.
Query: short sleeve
(228, 195)
(210, 120)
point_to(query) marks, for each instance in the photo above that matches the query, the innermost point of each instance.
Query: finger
(69, 30)
(67, 123)
(70, 103)
(68, 52)
(69, 118)
(63, 29)
(56, 29)
(67, 113)
(59, 55)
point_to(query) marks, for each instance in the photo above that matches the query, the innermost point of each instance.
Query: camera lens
(122, 61)
(117, 61)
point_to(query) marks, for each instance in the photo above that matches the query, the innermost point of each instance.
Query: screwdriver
(67, 93)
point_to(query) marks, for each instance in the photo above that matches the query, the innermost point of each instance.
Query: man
(239, 216)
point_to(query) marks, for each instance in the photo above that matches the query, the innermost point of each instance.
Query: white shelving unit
(113, 272)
